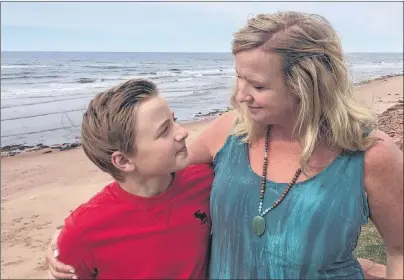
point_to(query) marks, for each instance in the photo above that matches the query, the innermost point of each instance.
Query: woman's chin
(257, 119)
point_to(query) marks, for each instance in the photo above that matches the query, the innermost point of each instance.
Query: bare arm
(211, 139)
(384, 186)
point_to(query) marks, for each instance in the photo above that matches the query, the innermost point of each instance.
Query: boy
(153, 221)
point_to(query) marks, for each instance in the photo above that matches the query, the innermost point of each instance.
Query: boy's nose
(182, 133)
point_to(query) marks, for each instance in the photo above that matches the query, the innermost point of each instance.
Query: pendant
(258, 225)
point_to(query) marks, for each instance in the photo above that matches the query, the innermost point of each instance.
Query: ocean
(44, 94)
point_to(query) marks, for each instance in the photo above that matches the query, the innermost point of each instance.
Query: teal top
(310, 235)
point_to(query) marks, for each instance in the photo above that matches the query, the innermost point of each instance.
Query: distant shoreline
(193, 52)
(384, 77)
(12, 150)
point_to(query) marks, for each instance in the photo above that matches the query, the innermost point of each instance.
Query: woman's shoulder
(383, 150)
(383, 161)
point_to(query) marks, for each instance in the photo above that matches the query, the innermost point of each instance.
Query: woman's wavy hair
(313, 69)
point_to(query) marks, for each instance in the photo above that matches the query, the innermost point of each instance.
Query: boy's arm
(75, 251)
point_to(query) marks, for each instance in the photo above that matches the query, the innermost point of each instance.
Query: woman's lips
(253, 109)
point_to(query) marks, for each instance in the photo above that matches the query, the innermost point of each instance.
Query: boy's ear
(122, 162)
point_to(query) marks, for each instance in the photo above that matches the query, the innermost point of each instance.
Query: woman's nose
(242, 92)
(243, 96)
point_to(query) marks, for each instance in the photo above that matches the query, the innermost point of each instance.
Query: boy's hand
(57, 269)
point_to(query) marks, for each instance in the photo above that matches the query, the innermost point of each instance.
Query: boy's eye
(164, 131)
(167, 128)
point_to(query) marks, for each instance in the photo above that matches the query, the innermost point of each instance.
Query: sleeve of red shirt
(201, 173)
(74, 250)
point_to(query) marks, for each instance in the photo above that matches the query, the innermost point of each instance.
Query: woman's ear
(122, 162)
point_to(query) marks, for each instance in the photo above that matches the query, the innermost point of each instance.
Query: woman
(299, 165)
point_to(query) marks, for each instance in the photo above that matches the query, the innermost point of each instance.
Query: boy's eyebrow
(161, 126)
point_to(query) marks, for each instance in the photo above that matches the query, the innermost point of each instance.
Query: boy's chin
(181, 163)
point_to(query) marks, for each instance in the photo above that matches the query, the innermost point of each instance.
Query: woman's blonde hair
(313, 69)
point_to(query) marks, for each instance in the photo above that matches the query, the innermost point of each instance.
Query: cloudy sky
(182, 27)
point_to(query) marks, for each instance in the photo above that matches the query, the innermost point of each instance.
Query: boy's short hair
(109, 123)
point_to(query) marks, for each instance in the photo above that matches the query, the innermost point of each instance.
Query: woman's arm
(211, 139)
(72, 249)
(57, 269)
(384, 187)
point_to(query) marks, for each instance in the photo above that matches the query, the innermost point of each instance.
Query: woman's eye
(259, 88)
(175, 119)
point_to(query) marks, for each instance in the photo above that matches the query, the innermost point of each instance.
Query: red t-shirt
(117, 235)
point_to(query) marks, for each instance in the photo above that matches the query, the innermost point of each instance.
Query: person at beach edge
(299, 163)
(153, 221)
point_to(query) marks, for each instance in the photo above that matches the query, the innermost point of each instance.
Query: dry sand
(39, 190)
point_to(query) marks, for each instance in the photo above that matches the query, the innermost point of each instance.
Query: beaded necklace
(258, 223)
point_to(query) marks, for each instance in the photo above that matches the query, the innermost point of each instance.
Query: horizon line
(86, 51)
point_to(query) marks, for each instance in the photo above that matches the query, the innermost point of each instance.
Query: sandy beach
(40, 188)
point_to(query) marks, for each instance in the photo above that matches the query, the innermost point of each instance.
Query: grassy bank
(370, 245)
